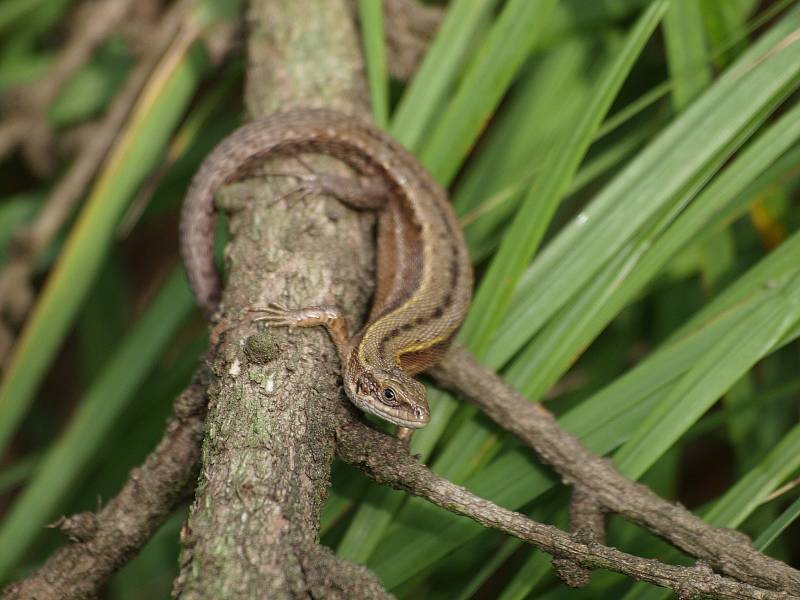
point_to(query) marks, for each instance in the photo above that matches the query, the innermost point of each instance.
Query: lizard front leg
(327, 316)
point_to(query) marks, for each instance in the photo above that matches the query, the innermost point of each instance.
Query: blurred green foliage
(627, 173)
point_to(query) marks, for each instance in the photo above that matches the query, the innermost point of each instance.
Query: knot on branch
(80, 527)
(571, 573)
(587, 524)
(260, 348)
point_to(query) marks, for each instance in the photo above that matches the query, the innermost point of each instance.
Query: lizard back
(424, 276)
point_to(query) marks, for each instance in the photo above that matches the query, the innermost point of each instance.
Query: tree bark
(253, 528)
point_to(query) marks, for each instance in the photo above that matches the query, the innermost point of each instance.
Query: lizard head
(390, 394)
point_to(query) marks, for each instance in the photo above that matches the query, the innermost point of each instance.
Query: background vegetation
(627, 174)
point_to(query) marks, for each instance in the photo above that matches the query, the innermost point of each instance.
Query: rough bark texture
(586, 522)
(727, 550)
(106, 540)
(304, 53)
(270, 442)
(386, 461)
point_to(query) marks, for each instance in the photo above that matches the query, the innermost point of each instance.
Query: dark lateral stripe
(454, 269)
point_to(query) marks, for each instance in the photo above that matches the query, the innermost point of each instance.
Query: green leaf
(550, 97)
(725, 21)
(637, 263)
(370, 14)
(485, 81)
(755, 335)
(680, 159)
(19, 472)
(778, 526)
(16, 12)
(439, 69)
(536, 565)
(686, 51)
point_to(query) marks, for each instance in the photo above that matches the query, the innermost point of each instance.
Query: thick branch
(725, 549)
(387, 461)
(254, 524)
(108, 539)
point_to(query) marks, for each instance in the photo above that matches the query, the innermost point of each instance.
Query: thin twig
(106, 540)
(586, 522)
(725, 549)
(387, 461)
(787, 487)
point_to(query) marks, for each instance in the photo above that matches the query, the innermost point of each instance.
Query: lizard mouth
(398, 416)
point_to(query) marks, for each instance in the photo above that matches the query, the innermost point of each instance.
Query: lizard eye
(389, 393)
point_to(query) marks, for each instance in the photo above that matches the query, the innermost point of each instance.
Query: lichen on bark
(253, 527)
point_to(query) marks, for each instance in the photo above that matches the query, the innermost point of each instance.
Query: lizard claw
(274, 315)
(271, 306)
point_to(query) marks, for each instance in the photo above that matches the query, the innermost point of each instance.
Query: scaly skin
(424, 277)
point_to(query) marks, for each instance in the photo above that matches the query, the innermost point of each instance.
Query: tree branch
(587, 521)
(386, 460)
(104, 541)
(725, 549)
(253, 527)
(328, 576)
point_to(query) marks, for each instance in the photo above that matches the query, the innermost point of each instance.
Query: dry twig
(105, 541)
(410, 27)
(387, 461)
(725, 549)
(587, 521)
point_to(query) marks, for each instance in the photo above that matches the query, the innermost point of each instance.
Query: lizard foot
(330, 317)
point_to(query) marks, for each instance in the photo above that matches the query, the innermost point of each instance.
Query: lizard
(424, 274)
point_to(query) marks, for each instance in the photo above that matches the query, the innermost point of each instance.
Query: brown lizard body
(424, 276)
